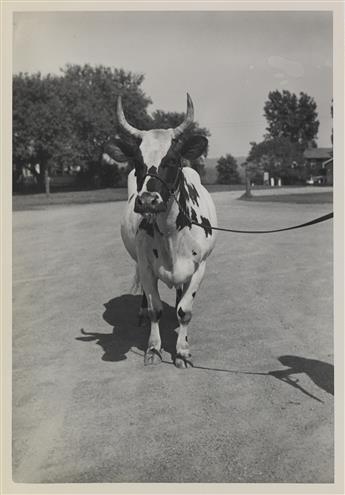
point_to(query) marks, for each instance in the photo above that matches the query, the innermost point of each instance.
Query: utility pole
(248, 193)
(47, 181)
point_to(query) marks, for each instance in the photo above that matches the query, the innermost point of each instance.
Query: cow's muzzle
(149, 202)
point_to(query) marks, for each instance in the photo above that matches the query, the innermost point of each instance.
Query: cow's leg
(154, 307)
(184, 315)
(179, 292)
(143, 311)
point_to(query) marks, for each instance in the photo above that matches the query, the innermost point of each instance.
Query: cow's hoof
(152, 356)
(183, 361)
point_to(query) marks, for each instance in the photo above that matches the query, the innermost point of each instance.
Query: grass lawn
(310, 198)
(38, 201)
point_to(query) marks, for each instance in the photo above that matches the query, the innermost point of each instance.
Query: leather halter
(172, 189)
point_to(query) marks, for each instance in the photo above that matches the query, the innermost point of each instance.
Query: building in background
(320, 163)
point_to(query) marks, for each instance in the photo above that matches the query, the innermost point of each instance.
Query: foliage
(65, 121)
(61, 121)
(278, 156)
(227, 170)
(292, 127)
(291, 117)
(91, 94)
(40, 122)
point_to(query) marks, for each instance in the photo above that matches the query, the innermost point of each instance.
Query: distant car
(316, 180)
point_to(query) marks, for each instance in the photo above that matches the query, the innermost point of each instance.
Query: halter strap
(174, 186)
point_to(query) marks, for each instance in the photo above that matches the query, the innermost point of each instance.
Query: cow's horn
(123, 122)
(188, 119)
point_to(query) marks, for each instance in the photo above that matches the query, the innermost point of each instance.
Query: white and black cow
(163, 198)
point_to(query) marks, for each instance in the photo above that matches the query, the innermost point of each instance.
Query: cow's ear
(194, 147)
(119, 151)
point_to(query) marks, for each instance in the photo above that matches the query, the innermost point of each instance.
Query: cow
(164, 198)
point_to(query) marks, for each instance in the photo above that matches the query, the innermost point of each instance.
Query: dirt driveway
(257, 407)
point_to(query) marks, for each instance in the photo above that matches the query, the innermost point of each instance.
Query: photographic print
(172, 246)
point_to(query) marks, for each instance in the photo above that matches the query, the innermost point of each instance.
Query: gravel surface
(85, 409)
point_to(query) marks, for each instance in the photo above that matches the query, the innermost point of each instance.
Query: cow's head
(159, 153)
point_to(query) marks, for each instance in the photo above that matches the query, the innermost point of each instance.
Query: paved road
(85, 409)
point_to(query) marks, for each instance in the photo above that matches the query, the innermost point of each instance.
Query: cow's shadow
(122, 314)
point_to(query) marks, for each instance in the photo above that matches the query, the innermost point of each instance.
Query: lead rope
(198, 224)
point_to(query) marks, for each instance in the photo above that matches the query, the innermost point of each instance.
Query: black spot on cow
(181, 313)
(153, 185)
(206, 226)
(193, 215)
(182, 219)
(140, 168)
(178, 296)
(155, 315)
(155, 252)
(193, 194)
(144, 301)
(193, 295)
(194, 253)
(129, 146)
(184, 317)
(147, 226)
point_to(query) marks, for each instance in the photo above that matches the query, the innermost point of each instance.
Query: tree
(227, 170)
(65, 120)
(91, 94)
(166, 120)
(68, 120)
(40, 124)
(278, 156)
(291, 117)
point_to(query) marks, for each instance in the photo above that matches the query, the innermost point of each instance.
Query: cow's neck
(174, 219)
(169, 236)
(166, 221)
(174, 232)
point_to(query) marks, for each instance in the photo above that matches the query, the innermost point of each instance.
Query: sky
(227, 61)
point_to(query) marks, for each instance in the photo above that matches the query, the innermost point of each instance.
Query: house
(320, 162)
(328, 165)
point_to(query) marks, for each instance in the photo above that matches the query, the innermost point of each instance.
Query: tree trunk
(248, 187)
(46, 181)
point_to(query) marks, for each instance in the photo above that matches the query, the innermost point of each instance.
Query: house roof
(318, 153)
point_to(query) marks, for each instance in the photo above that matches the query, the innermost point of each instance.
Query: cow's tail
(136, 285)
